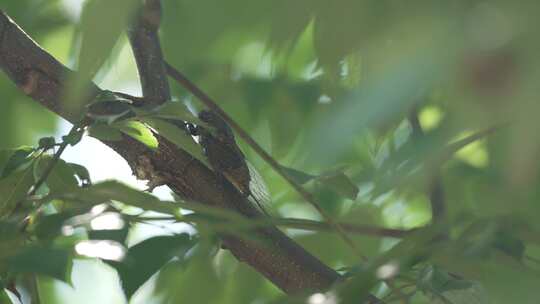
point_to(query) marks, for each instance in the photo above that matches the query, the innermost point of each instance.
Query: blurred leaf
(109, 111)
(138, 131)
(175, 110)
(104, 132)
(46, 142)
(52, 262)
(510, 245)
(297, 175)
(12, 159)
(340, 183)
(81, 172)
(61, 177)
(73, 138)
(147, 257)
(4, 298)
(50, 226)
(434, 280)
(196, 282)
(117, 235)
(13, 189)
(102, 22)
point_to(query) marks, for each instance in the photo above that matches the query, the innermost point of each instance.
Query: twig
(52, 163)
(295, 223)
(308, 197)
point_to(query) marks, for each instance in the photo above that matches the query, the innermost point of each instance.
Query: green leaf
(147, 257)
(53, 262)
(13, 189)
(61, 177)
(50, 226)
(138, 131)
(434, 280)
(194, 282)
(298, 176)
(81, 172)
(109, 111)
(46, 142)
(179, 137)
(12, 159)
(112, 190)
(102, 22)
(340, 183)
(104, 132)
(4, 298)
(72, 138)
(175, 110)
(117, 235)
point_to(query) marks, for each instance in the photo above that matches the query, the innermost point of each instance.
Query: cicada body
(227, 159)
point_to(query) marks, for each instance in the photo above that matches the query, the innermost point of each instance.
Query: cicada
(226, 158)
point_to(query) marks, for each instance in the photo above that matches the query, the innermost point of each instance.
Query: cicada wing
(258, 189)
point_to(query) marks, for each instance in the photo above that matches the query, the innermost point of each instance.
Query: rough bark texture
(41, 76)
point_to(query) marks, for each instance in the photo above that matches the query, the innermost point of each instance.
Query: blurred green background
(326, 87)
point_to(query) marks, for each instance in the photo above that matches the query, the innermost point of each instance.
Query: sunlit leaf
(139, 132)
(179, 137)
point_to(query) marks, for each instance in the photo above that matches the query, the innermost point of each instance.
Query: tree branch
(308, 197)
(144, 40)
(280, 259)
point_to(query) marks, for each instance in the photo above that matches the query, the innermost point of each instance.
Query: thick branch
(281, 260)
(144, 39)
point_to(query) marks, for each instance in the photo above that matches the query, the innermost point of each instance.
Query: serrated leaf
(138, 131)
(147, 257)
(104, 132)
(53, 262)
(13, 189)
(178, 137)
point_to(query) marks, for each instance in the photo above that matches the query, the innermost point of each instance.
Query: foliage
(332, 90)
